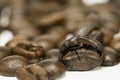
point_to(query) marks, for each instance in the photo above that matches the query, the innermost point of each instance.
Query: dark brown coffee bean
(55, 69)
(110, 58)
(31, 72)
(31, 50)
(53, 54)
(4, 51)
(81, 53)
(10, 64)
(90, 30)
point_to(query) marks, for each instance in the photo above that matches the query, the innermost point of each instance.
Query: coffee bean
(91, 30)
(45, 41)
(74, 17)
(17, 39)
(81, 53)
(54, 69)
(32, 51)
(53, 54)
(31, 72)
(10, 64)
(4, 52)
(110, 58)
(108, 36)
(115, 43)
(57, 34)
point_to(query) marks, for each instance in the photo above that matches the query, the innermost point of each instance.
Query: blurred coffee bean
(81, 54)
(115, 43)
(10, 64)
(53, 54)
(105, 8)
(93, 17)
(110, 58)
(4, 52)
(31, 50)
(90, 30)
(51, 19)
(45, 6)
(17, 39)
(113, 27)
(74, 16)
(45, 41)
(3, 2)
(74, 2)
(55, 69)
(18, 23)
(19, 27)
(31, 72)
(108, 36)
(115, 2)
(52, 38)
(109, 16)
(57, 34)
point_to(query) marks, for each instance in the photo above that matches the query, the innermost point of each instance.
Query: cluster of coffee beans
(53, 36)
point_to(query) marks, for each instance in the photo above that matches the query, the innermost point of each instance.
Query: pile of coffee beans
(55, 36)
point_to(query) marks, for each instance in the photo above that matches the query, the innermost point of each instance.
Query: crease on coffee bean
(28, 69)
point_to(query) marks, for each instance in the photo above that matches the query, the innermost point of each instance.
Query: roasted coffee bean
(31, 50)
(90, 30)
(4, 51)
(112, 26)
(108, 36)
(17, 39)
(57, 17)
(74, 16)
(10, 64)
(54, 69)
(57, 34)
(93, 18)
(53, 54)
(74, 2)
(110, 58)
(19, 24)
(115, 43)
(31, 72)
(45, 41)
(81, 53)
(49, 6)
